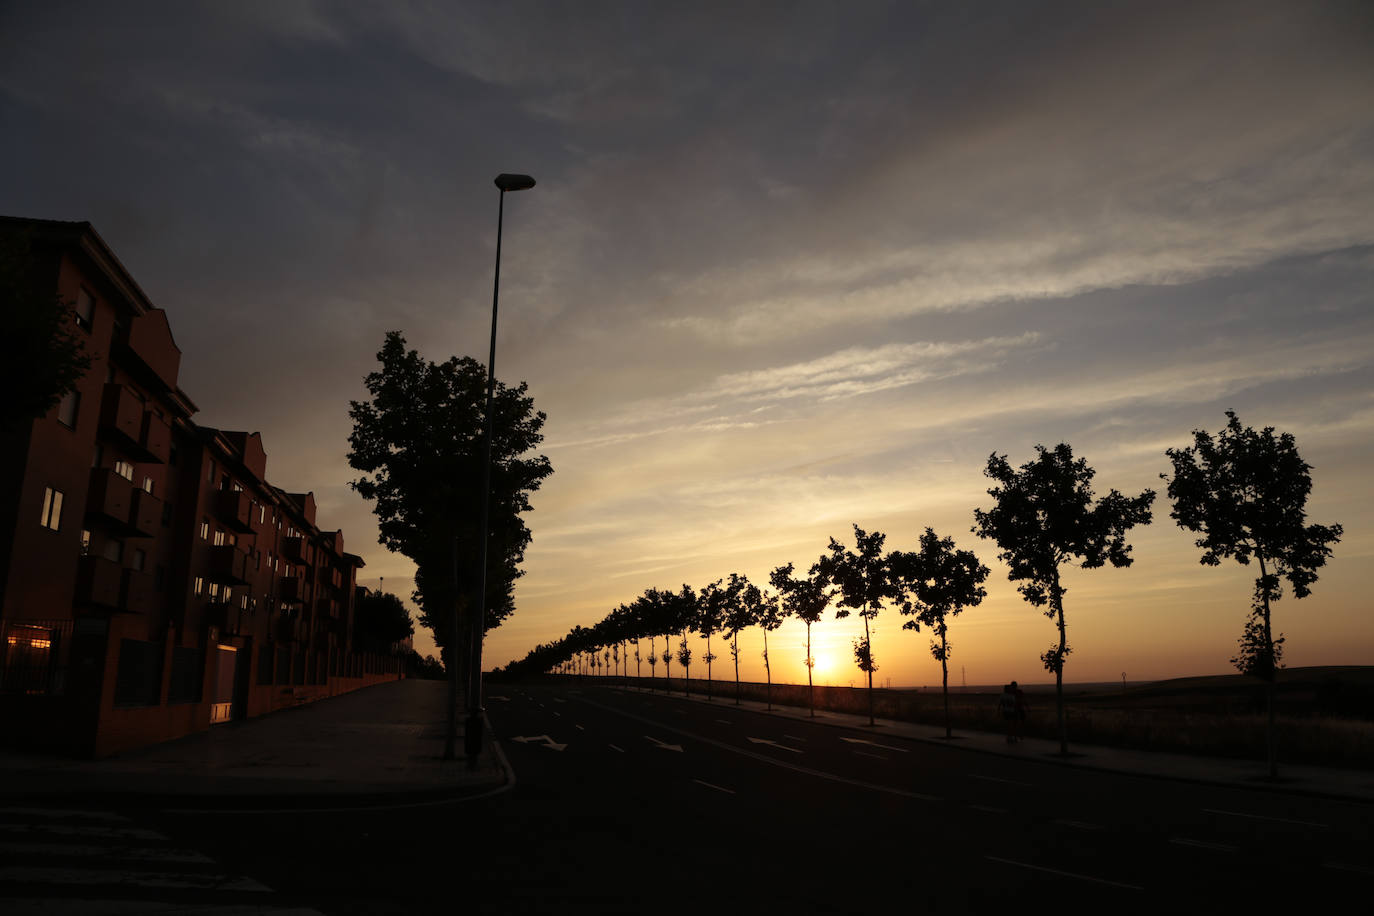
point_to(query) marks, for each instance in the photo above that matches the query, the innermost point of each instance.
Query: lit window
(205, 531)
(262, 514)
(236, 487)
(85, 310)
(67, 408)
(214, 592)
(52, 509)
(85, 541)
(200, 585)
(243, 602)
(231, 539)
(124, 469)
(148, 484)
(219, 537)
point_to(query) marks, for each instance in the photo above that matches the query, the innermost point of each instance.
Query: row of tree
(1244, 492)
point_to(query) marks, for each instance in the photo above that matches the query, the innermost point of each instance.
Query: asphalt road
(640, 803)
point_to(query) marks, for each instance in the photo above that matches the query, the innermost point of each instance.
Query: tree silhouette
(710, 616)
(1246, 493)
(741, 603)
(684, 615)
(864, 582)
(1044, 517)
(807, 599)
(419, 443)
(938, 582)
(771, 613)
(380, 620)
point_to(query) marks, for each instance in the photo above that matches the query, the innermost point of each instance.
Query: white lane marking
(28, 906)
(548, 742)
(113, 833)
(1202, 844)
(794, 737)
(85, 876)
(886, 747)
(867, 754)
(1078, 825)
(781, 747)
(724, 721)
(1261, 817)
(76, 851)
(771, 761)
(60, 813)
(1345, 866)
(989, 809)
(666, 747)
(1010, 782)
(558, 715)
(578, 727)
(559, 700)
(614, 748)
(717, 788)
(502, 699)
(1065, 874)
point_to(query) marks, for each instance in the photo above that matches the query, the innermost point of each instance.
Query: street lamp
(472, 734)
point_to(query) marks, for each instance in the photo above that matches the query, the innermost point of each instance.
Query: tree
(710, 615)
(419, 445)
(742, 599)
(380, 620)
(42, 354)
(1246, 493)
(807, 599)
(683, 614)
(771, 613)
(938, 582)
(1044, 517)
(864, 583)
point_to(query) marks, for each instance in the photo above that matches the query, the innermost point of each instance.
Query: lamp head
(514, 182)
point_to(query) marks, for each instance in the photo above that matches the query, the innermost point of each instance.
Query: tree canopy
(380, 620)
(42, 355)
(419, 445)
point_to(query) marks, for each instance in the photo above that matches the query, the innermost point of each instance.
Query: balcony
(297, 550)
(228, 564)
(99, 582)
(136, 593)
(291, 589)
(235, 509)
(110, 497)
(288, 629)
(124, 419)
(146, 514)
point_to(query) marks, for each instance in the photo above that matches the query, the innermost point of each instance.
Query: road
(634, 802)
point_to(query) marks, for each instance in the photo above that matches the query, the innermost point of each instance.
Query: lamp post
(472, 734)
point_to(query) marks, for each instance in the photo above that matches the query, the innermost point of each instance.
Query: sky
(787, 268)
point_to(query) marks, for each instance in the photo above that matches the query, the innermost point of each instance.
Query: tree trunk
(1057, 596)
(944, 676)
(667, 660)
(810, 663)
(1272, 674)
(868, 641)
(768, 671)
(686, 669)
(709, 697)
(734, 651)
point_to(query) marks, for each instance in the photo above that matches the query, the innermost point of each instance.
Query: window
(67, 408)
(124, 469)
(85, 542)
(85, 310)
(204, 530)
(214, 592)
(243, 602)
(219, 537)
(235, 486)
(139, 559)
(52, 509)
(114, 551)
(148, 485)
(231, 539)
(262, 515)
(199, 588)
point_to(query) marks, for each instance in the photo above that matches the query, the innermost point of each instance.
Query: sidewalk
(380, 744)
(1327, 782)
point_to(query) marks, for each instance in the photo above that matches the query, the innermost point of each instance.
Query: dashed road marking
(867, 754)
(1346, 866)
(717, 788)
(31, 874)
(1065, 874)
(1263, 817)
(1010, 782)
(1078, 825)
(614, 748)
(578, 727)
(1202, 844)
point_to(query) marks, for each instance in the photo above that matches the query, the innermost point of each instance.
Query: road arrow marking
(548, 742)
(781, 747)
(867, 754)
(886, 747)
(578, 727)
(502, 699)
(723, 721)
(666, 747)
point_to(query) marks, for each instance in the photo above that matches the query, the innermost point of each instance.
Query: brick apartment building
(152, 581)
